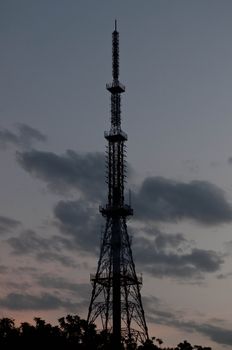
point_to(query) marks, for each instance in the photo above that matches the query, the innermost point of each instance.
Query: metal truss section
(133, 324)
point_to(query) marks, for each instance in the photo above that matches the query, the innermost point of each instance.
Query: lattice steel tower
(116, 299)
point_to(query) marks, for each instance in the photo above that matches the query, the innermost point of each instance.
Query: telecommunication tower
(116, 299)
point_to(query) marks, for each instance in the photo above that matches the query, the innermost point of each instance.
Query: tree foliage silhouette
(71, 333)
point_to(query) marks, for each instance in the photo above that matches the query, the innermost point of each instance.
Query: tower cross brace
(116, 300)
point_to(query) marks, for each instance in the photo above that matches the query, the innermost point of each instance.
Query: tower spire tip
(115, 25)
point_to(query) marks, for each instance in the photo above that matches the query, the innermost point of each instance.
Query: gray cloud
(191, 165)
(24, 137)
(60, 283)
(228, 247)
(62, 173)
(217, 334)
(21, 270)
(28, 242)
(166, 241)
(171, 255)
(8, 224)
(222, 276)
(81, 221)
(27, 134)
(45, 301)
(49, 256)
(19, 286)
(3, 269)
(7, 138)
(161, 199)
(158, 313)
(44, 249)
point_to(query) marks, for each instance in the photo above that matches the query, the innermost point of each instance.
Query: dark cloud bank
(24, 136)
(159, 254)
(158, 199)
(44, 249)
(60, 283)
(171, 255)
(158, 313)
(45, 301)
(67, 172)
(55, 298)
(81, 222)
(8, 224)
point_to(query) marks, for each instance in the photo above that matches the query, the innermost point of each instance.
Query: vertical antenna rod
(116, 190)
(115, 51)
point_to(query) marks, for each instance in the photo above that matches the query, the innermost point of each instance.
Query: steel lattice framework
(116, 298)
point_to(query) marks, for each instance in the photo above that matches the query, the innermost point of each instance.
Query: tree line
(71, 333)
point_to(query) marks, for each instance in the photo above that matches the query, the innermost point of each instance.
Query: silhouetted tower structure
(116, 299)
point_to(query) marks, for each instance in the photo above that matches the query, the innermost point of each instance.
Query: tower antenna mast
(116, 299)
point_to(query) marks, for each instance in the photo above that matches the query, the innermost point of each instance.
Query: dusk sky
(176, 63)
